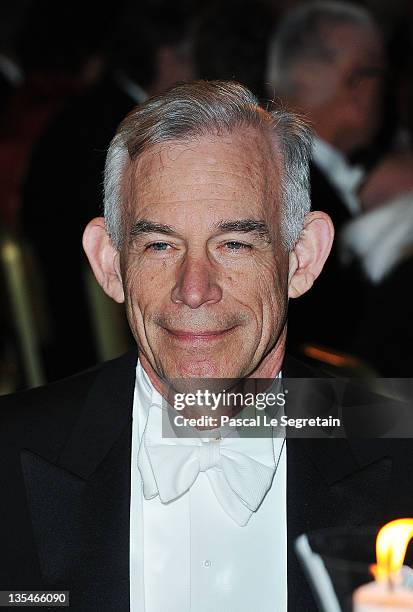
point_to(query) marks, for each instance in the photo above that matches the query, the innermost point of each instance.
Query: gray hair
(204, 108)
(299, 38)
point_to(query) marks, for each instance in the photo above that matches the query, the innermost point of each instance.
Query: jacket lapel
(79, 503)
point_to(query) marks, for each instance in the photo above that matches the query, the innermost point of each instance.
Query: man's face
(204, 270)
(360, 70)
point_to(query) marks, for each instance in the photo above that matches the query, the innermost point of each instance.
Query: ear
(103, 259)
(310, 253)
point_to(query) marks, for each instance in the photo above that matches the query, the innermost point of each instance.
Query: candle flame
(391, 545)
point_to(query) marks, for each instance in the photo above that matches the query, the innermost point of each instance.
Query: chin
(193, 368)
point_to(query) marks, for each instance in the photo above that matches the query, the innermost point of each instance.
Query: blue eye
(233, 245)
(158, 246)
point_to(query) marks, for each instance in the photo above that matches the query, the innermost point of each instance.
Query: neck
(159, 383)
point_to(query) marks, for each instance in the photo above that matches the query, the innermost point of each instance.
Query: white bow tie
(240, 471)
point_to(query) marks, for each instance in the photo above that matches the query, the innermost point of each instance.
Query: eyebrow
(246, 226)
(149, 227)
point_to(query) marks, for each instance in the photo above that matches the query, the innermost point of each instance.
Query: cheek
(141, 288)
(263, 291)
(368, 105)
(144, 283)
(274, 301)
(273, 290)
(272, 281)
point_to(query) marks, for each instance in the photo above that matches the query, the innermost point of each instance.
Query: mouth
(198, 337)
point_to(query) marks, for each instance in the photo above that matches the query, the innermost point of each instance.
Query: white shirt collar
(342, 175)
(380, 237)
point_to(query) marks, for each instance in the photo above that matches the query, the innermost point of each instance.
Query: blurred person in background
(379, 245)
(150, 51)
(51, 52)
(326, 60)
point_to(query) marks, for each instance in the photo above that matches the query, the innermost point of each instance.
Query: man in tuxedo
(207, 234)
(326, 60)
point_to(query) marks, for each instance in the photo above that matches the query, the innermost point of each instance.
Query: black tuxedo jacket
(65, 488)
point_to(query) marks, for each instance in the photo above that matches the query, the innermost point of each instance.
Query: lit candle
(387, 593)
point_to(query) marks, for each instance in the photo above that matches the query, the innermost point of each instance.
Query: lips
(198, 336)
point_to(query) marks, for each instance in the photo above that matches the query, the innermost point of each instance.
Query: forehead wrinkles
(250, 152)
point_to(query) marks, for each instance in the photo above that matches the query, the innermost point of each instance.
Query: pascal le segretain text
(259, 420)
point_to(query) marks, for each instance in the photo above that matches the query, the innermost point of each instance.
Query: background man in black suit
(326, 60)
(206, 200)
(149, 52)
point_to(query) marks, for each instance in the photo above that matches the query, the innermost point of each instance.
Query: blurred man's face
(204, 270)
(360, 70)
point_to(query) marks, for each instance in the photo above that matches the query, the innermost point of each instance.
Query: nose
(196, 284)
